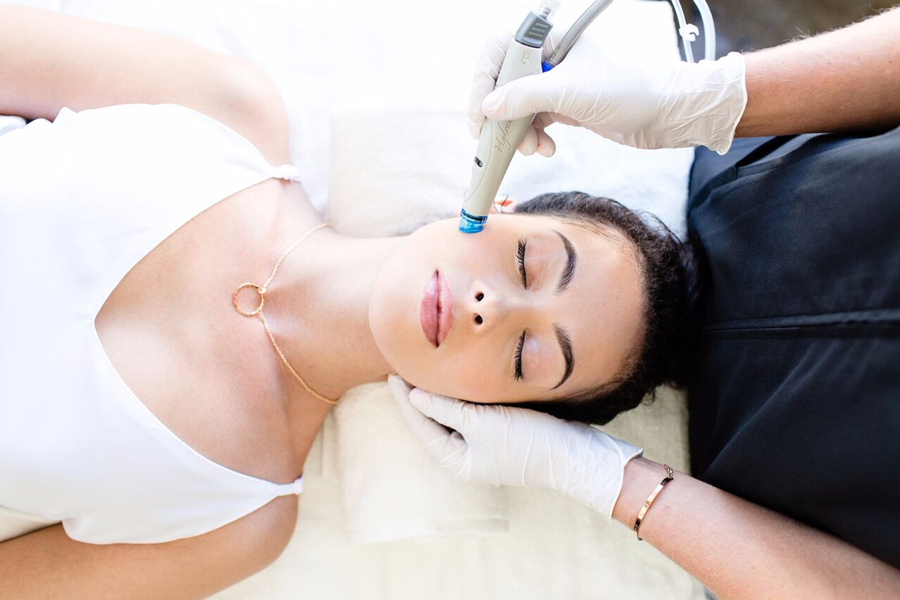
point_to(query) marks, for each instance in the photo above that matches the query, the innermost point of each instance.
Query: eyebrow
(566, 345)
(571, 260)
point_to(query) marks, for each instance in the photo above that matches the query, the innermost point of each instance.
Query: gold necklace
(261, 290)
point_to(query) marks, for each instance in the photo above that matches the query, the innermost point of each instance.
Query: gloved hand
(661, 105)
(516, 446)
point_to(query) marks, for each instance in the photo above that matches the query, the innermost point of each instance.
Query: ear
(504, 204)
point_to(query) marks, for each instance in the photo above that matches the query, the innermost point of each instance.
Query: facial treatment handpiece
(499, 139)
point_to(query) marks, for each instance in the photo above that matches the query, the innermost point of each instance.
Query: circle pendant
(262, 299)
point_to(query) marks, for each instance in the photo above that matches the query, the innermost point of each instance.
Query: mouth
(436, 310)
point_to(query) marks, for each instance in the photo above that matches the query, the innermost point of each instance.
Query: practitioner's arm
(50, 60)
(845, 79)
(741, 550)
(842, 80)
(734, 547)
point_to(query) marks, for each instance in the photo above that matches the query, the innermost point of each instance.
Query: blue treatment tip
(546, 66)
(471, 223)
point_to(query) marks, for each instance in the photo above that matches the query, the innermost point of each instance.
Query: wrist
(711, 96)
(640, 479)
(598, 470)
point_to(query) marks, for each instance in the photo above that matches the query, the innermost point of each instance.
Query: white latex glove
(670, 104)
(480, 443)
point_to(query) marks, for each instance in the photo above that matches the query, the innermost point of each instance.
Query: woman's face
(579, 308)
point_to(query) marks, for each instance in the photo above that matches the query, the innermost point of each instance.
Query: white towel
(391, 489)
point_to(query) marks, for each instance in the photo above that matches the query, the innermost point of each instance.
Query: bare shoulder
(47, 563)
(259, 113)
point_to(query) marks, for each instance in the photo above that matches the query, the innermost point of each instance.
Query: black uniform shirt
(795, 389)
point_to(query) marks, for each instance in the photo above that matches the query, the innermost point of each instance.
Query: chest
(171, 333)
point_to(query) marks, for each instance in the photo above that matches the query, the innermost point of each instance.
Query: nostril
(478, 319)
(479, 297)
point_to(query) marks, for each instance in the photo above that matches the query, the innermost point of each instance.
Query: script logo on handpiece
(503, 144)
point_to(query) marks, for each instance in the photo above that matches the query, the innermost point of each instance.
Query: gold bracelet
(649, 501)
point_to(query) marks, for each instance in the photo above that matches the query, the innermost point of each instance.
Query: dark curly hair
(670, 305)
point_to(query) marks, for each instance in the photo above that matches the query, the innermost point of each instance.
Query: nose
(489, 309)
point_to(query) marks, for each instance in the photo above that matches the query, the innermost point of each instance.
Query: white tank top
(82, 200)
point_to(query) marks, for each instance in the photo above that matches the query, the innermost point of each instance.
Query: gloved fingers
(558, 118)
(435, 411)
(427, 430)
(544, 120)
(529, 141)
(537, 140)
(453, 452)
(523, 97)
(482, 85)
(451, 412)
(399, 387)
(495, 47)
(545, 144)
(485, 78)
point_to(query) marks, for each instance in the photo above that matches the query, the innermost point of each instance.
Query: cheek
(465, 376)
(468, 374)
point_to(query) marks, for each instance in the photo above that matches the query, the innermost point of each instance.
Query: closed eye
(521, 254)
(519, 357)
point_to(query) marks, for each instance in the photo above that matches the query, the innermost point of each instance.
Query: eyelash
(521, 254)
(519, 357)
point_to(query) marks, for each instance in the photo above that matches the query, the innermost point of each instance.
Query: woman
(142, 408)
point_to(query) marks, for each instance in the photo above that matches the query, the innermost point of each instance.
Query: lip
(428, 309)
(436, 309)
(445, 310)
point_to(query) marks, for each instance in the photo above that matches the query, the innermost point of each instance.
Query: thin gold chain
(261, 290)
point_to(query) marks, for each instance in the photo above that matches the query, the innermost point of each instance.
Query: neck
(317, 310)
